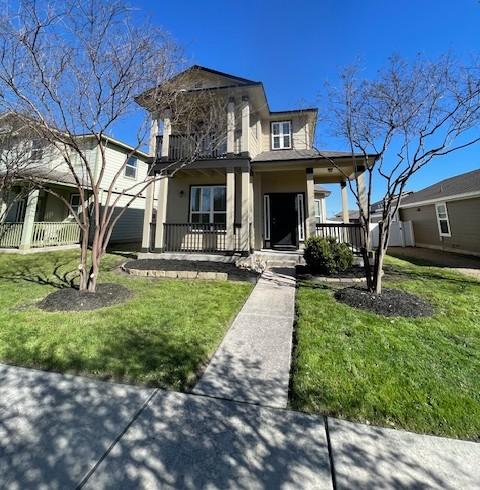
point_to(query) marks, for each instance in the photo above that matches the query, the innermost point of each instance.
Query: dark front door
(283, 221)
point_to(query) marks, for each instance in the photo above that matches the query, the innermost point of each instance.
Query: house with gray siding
(446, 215)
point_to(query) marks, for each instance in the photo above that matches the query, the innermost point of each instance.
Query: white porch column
(147, 216)
(162, 199)
(310, 228)
(167, 130)
(362, 192)
(230, 218)
(251, 199)
(345, 213)
(245, 229)
(3, 206)
(27, 231)
(245, 141)
(152, 143)
(231, 126)
(258, 211)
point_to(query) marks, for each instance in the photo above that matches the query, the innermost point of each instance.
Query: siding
(129, 227)
(464, 217)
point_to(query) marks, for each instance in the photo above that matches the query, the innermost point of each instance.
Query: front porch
(37, 221)
(233, 206)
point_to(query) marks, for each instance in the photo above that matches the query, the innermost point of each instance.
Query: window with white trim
(318, 211)
(37, 149)
(131, 168)
(442, 219)
(281, 135)
(208, 204)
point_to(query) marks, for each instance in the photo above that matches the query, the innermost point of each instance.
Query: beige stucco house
(260, 189)
(32, 218)
(446, 215)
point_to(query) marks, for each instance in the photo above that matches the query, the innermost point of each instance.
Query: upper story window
(281, 135)
(442, 219)
(131, 168)
(208, 204)
(37, 149)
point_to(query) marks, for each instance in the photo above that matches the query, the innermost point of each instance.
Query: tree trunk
(383, 229)
(83, 267)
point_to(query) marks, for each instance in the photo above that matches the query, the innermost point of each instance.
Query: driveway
(465, 264)
(60, 432)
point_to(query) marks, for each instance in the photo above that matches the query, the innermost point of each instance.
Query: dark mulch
(70, 299)
(303, 272)
(234, 273)
(392, 302)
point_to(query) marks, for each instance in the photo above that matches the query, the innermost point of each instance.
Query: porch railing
(194, 237)
(183, 147)
(10, 235)
(49, 234)
(349, 233)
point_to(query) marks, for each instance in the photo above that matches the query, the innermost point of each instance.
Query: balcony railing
(184, 147)
(349, 233)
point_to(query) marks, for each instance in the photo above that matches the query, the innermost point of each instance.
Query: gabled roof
(240, 80)
(453, 186)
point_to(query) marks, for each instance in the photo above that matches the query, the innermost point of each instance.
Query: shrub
(327, 256)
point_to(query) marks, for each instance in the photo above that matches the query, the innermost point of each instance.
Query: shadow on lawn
(58, 278)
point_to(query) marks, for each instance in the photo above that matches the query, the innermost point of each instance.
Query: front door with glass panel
(283, 221)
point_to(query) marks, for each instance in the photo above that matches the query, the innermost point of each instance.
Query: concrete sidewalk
(252, 363)
(65, 432)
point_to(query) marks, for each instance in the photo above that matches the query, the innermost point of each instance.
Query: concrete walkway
(252, 363)
(65, 432)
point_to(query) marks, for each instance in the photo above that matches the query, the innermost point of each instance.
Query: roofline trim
(451, 197)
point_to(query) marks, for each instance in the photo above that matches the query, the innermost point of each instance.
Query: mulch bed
(355, 273)
(70, 299)
(392, 302)
(233, 272)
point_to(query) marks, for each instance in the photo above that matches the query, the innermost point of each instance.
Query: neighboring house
(353, 217)
(37, 219)
(258, 192)
(446, 215)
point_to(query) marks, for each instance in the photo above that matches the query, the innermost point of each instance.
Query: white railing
(51, 234)
(10, 235)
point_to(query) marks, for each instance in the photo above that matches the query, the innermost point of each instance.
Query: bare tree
(408, 116)
(75, 67)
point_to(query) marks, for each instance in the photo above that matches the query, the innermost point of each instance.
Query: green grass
(162, 336)
(417, 374)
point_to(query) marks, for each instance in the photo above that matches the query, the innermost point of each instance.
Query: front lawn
(418, 374)
(161, 336)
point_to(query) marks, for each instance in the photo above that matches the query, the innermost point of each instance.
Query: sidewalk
(64, 432)
(252, 363)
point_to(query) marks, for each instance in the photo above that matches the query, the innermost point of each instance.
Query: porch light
(330, 170)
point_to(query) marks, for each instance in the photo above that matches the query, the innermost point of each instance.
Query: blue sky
(293, 47)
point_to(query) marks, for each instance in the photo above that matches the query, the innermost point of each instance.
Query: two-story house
(33, 218)
(255, 191)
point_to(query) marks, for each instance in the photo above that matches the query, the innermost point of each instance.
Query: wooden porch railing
(194, 237)
(10, 235)
(53, 234)
(183, 147)
(349, 233)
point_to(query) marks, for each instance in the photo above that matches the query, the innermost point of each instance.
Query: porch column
(258, 211)
(27, 230)
(230, 218)
(3, 206)
(245, 141)
(245, 229)
(167, 130)
(162, 199)
(310, 228)
(345, 214)
(152, 143)
(231, 126)
(362, 192)
(251, 198)
(147, 216)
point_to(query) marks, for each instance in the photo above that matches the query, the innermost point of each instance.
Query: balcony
(188, 147)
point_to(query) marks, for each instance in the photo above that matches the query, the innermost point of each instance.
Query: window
(281, 135)
(318, 211)
(75, 202)
(37, 149)
(442, 219)
(131, 168)
(208, 204)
